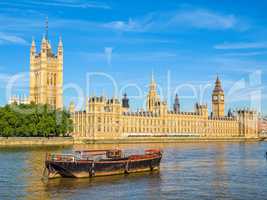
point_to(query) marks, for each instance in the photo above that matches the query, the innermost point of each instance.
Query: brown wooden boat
(91, 163)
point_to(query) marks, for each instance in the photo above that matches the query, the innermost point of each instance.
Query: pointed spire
(153, 82)
(176, 98)
(218, 82)
(33, 49)
(49, 45)
(152, 76)
(44, 46)
(60, 47)
(218, 86)
(33, 42)
(153, 85)
(60, 44)
(43, 39)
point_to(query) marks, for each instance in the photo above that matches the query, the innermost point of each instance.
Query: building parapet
(19, 100)
(222, 118)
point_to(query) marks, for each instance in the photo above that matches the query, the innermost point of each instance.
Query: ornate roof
(218, 86)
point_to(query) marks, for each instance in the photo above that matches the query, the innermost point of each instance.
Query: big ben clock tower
(218, 99)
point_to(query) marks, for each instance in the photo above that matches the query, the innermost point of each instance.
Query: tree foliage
(34, 121)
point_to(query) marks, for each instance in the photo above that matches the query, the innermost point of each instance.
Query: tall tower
(152, 96)
(218, 99)
(176, 105)
(125, 103)
(46, 73)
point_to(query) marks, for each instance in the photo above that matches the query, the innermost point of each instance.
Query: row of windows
(215, 132)
(52, 79)
(107, 124)
(158, 122)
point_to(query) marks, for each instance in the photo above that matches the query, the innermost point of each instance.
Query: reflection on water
(188, 171)
(101, 185)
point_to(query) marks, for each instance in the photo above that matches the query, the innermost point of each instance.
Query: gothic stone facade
(46, 74)
(111, 119)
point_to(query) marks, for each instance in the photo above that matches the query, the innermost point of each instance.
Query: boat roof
(96, 152)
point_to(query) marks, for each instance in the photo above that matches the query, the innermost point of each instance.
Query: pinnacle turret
(125, 101)
(60, 47)
(33, 43)
(33, 47)
(153, 85)
(152, 78)
(176, 105)
(60, 44)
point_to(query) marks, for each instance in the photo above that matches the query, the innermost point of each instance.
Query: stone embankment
(31, 141)
(57, 141)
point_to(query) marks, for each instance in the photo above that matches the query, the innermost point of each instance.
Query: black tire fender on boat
(92, 170)
(151, 165)
(126, 170)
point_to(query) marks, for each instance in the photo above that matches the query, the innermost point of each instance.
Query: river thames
(216, 170)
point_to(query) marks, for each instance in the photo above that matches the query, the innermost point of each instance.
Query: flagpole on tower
(46, 28)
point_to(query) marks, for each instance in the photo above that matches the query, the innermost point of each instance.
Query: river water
(214, 170)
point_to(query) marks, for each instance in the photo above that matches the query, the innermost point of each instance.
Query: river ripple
(188, 171)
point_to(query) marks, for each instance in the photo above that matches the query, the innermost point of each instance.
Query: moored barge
(92, 163)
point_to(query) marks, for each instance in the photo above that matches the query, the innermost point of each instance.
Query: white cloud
(242, 45)
(60, 3)
(192, 18)
(8, 38)
(74, 4)
(140, 56)
(204, 19)
(172, 21)
(129, 25)
(240, 54)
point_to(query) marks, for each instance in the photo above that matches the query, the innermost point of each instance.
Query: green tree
(34, 120)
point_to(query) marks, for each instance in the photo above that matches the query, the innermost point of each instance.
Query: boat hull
(82, 169)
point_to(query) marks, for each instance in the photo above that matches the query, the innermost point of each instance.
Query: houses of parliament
(106, 118)
(111, 118)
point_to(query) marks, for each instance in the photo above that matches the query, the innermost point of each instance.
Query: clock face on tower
(222, 97)
(215, 97)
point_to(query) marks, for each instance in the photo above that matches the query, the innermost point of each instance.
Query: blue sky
(185, 43)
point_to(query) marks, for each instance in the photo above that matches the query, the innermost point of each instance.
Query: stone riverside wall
(21, 141)
(164, 140)
(31, 141)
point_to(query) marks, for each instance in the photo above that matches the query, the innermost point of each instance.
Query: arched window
(51, 79)
(55, 79)
(36, 79)
(48, 77)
